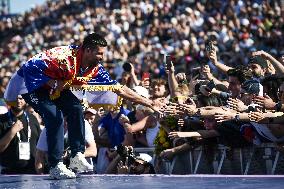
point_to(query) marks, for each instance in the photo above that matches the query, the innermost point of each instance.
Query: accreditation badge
(24, 151)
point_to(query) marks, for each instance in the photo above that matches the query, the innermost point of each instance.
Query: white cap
(245, 22)
(90, 110)
(188, 10)
(3, 110)
(174, 21)
(142, 91)
(197, 13)
(145, 157)
(185, 43)
(255, 5)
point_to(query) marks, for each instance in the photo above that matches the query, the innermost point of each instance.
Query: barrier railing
(265, 152)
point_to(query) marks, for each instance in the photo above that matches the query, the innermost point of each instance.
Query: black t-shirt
(10, 157)
(131, 117)
(230, 134)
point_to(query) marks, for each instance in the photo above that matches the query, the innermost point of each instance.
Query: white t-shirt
(42, 141)
(151, 134)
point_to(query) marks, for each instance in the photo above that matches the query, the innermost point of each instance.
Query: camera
(136, 164)
(127, 67)
(210, 46)
(126, 152)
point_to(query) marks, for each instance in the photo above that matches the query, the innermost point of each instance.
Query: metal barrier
(245, 158)
(144, 150)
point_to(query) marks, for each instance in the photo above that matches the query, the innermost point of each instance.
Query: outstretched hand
(264, 101)
(188, 109)
(173, 135)
(256, 116)
(173, 109)
(123, 119)
(237, 105)
(260, 53)
(158, 106)
(224, 116)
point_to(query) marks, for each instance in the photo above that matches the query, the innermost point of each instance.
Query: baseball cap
(145, 157)
(90, 110)
(145, 76)
(142, 91)
(258, 60)
(3, 110)
(3, 107)
(252, 87)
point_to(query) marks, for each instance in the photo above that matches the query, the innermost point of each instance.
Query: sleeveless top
(151, 134)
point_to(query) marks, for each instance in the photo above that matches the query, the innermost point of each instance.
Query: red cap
(146, 75)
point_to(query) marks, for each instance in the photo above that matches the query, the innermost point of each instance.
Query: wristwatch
(278, 106)
(237, 117)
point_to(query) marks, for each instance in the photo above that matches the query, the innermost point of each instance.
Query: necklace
(83, 70)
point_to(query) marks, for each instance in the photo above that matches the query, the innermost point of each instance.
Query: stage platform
(144, 182)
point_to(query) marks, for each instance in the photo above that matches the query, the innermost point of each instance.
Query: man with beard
(159, 89)
(259, 67)
(19, 133)
(45, 81)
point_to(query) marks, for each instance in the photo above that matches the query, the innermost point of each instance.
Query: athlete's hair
(94, 40)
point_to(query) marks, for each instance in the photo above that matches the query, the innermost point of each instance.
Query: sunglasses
(186, 99)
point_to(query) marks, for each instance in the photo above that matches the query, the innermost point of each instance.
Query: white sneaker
(60, 171)
(80, 164)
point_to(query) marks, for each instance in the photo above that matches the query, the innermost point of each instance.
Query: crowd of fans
(222, 81)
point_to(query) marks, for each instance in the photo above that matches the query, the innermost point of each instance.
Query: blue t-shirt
(115, 130)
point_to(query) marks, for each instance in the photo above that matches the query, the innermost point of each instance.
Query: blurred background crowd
(222, 78)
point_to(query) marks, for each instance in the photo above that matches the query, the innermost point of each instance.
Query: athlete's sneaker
(60, 171)
(80, 164)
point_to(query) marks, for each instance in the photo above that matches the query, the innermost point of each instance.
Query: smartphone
(211, 85)
(210, 46)
(168, 61)
(196, 72)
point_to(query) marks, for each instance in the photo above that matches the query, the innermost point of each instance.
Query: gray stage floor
(144, 182)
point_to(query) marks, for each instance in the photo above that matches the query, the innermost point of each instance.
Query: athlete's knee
(76, 108)
(55, 117)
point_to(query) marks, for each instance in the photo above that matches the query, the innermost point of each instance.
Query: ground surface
(144, 182)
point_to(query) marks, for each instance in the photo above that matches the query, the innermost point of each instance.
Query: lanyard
(29, 128)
